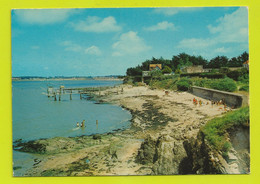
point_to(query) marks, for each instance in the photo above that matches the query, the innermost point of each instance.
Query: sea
(36, 116)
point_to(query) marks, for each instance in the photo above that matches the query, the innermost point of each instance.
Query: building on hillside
(146, 73)
(155, 67)
(193, 69)
(207, 70)
(234, 68)
(246, 64)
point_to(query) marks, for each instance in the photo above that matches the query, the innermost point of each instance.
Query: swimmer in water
(82, 124)
(77, 124)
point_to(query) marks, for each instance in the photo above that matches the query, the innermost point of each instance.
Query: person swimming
(82, 124)
(77, 124)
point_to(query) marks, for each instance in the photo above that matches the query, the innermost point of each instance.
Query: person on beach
(194, 100)
(82, 124)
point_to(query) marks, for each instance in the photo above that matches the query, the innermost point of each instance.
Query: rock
(146, 152)
(96, 136)
(206, 160)
(231, 157)
(163, 153)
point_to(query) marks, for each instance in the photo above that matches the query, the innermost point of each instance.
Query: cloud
(93, 50)
(230, 29)
(221, 50)
(97, 25)
(70, 46)
(42, 16)
(129, 43)
(161, 26)
(173, 11)
(196, 43)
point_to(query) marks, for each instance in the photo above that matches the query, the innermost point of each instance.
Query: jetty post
(97, 124)
(70, 94)
(55, 99)
(48, 93)
(62, 89)
(59, 95)
(80, 96)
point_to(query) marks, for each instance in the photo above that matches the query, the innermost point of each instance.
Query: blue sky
(96, 42)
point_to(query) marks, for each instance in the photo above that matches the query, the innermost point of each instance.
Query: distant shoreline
(66, 79)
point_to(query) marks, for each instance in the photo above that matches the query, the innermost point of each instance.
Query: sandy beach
(165, 120)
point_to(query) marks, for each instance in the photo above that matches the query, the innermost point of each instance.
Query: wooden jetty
(61, 91)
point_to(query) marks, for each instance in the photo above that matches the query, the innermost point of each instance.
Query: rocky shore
(161, 141)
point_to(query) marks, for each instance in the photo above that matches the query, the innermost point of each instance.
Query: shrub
(244, 88)
(233, 74)
(167, 70)
(184, 84)
(156, 73)
(226, 84)
(204, 75)
(244, 79)
(224, 70)
(213, 75)
(243, 72)
(164, 84)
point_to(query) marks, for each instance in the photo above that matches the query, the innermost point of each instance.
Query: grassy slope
(215, 130)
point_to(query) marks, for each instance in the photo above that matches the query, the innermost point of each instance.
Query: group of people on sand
(218, 103)
(196, 102)
(82, 124)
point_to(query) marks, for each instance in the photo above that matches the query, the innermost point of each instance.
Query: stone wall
(231, 99)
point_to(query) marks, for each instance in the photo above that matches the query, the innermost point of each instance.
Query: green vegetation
(167, 69)
(216, 130)
(225, 84)
(204, 75)
(183, 60)
(184, 84)
(244, 88)
(221, 76)
(237, 74)
(164, 82)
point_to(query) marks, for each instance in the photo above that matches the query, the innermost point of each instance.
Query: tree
(218, 62)
(137, 71)
(167, 70)
(184, 59)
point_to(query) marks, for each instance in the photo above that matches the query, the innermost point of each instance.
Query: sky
(99, 42)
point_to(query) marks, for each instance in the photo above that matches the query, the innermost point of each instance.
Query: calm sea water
(36, 116)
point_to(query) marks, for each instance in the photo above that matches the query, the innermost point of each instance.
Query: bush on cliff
(216, 130)
(184, 84)
(164, 84)
(244, 88)
(226, 84)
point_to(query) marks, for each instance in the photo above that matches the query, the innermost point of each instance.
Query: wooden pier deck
(59, 92)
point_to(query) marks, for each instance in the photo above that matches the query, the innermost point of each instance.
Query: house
(207, 70)
(193, 69)
(146, 73)
(155, 67)
(234, 68)
(246, 64)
